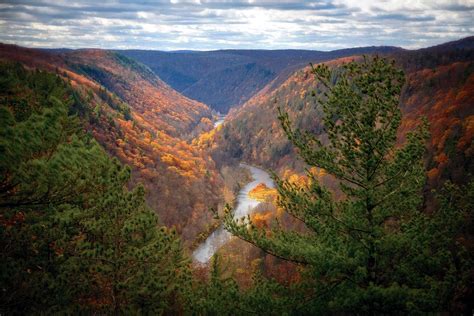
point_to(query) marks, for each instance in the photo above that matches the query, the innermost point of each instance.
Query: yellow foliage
(317, 172)
(262, 193)
(302, 93)
(168, 159)
(205, 139)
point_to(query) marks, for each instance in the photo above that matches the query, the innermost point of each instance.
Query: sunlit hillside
(237, 157)
(143, 122)
(439, 87)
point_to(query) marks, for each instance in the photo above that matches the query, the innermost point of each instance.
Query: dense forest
(110, 178)
(439, 85)
(145, 124)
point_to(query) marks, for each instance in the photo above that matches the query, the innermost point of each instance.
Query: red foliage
(181, 180)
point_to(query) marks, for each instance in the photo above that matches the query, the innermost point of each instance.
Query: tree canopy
(73, 236)
(367, 247)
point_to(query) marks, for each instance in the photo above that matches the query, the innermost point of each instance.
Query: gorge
(170, 138)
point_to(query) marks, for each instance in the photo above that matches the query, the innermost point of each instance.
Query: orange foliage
(263, 193)
(447, 103)
(262, 219)
(181, 180)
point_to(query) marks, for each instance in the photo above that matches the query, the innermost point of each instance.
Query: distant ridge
(226, 78)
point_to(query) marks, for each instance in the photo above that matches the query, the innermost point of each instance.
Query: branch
(296, 261)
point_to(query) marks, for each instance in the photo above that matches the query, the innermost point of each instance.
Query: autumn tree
(369, 251)
(73, 236)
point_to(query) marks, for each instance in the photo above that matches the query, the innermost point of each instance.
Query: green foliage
(72, 236)
(115, 103)
(220, 296)
(268, 297)
(373, 250)
(125, 263)
(133, 64)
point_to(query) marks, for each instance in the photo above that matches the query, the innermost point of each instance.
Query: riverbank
(244, 206)
(234, 177)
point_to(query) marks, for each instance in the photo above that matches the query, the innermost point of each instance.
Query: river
(220, 119)
(244, 206)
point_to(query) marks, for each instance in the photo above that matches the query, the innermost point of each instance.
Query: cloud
(218, 24)
(404, 17)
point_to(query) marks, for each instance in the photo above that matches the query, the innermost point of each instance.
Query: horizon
(236, 49)
(215, 157)
(208, 25)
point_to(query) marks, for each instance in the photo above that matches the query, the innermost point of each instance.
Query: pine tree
(219, 296)
(73, 237)
(125, 262)
(44, 165)
(358, 250)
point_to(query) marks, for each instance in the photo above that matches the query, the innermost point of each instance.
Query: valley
(202, 131)
(225, 79)
(179, 147)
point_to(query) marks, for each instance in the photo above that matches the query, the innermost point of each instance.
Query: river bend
(244, 206)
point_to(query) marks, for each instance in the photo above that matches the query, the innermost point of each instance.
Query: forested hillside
(439, 86)
(137, 118)
(228, 78)
(367, 245)
(149, 97)
(111, 180)
(74, 239)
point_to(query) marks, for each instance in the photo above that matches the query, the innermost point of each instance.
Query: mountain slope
(440, 86)
(134, 83)
(226, 78)
(137, 118)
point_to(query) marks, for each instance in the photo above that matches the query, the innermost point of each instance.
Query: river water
(220, 120)
(245, 204)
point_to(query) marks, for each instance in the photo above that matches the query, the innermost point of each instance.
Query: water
(220, 120)
(245, 204)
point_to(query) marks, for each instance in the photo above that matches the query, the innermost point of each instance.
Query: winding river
(245, 204)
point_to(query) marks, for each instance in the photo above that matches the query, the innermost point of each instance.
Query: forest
(110, 179)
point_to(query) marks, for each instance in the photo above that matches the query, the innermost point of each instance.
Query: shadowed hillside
(226, 78)
(137, 85)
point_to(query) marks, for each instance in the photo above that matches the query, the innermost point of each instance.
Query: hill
(440, 86)
(137, 85)
(139, 119)
(227, 78)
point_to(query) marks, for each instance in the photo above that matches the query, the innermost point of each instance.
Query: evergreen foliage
(372, 250)
(72, 236)
(221, 295)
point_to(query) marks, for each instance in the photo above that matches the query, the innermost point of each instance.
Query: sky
(227, 24)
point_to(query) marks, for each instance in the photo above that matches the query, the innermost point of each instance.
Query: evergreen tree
(369, 251)
(449, 231)
(44, 164)
(219, 296)
(72, 236)
(120, 260)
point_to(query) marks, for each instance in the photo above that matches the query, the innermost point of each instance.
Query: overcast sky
(209, 24)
